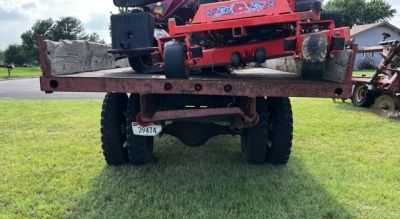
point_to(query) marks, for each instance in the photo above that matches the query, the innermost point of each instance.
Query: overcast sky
(17, 16)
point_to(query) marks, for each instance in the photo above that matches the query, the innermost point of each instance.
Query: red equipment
(234, 33)
(383, 88)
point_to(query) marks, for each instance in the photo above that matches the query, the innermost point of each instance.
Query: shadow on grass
(206, 182)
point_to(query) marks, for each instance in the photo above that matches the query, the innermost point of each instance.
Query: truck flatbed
(250, 82)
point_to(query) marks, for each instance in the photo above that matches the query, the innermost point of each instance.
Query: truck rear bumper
(249, 82)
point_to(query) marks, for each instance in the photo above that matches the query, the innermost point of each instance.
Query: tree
(94, 37)
(1, 57)
(68, 28)
(14, 54)
(356, 12)
(375, 9)
(41, 27)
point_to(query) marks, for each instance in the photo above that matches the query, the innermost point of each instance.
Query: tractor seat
(134, 3)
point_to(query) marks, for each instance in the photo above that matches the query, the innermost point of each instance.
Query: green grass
(367, 73)
(344, 164)
(21, 72)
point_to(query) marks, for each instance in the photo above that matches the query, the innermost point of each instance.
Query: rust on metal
(371, 49)
(190, 113)
(251, 87)
(349, 69)
(44, 61)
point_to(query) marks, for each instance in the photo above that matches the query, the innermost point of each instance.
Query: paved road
(29, 88)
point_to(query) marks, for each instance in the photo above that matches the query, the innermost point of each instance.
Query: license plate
(151, 130)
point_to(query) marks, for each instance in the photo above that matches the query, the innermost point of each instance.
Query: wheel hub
(386, 106)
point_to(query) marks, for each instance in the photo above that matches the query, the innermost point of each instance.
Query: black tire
(254, 140)
(113, 120)
(361, 97)
(334, 15)
(140, 148)
(174, 61)
(314, 51)
(280, 132)
(140, 63)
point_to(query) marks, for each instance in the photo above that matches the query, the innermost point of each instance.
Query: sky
(18, 16)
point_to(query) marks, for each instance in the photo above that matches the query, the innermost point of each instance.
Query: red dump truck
(189, 74)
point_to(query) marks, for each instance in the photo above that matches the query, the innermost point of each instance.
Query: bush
(365, 65)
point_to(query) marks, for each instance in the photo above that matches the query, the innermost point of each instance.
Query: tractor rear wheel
(140, 63)
(140, 148)
(280, 128)
(361, 97)
(254, 140)
(113, 120)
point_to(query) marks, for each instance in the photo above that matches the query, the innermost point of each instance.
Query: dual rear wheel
(270, 140)
(120, 145)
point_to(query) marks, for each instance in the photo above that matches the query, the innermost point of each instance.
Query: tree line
(66, 28)
(358, 12)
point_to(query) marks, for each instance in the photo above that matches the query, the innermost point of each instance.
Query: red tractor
(180, 37)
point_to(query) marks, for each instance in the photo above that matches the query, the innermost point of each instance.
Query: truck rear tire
(140, 148)
(113, 129)
(254, 140)
(361, 97)
(280, 132)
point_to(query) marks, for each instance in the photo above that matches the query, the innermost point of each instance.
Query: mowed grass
(367, 73)
(345, 163)
(21, 72)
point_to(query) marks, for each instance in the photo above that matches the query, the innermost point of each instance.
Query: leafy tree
(14, 53)
(377, 11)
(94, 37)
(356, 12)
(41, 27)
(1, 57)
(68, 28)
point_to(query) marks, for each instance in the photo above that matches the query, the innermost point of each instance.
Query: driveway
(29, 88)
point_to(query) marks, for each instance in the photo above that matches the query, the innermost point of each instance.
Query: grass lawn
(345, 163)
(21, 72)
(367, 73)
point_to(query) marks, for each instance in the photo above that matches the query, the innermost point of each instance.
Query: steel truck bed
(251, 82)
